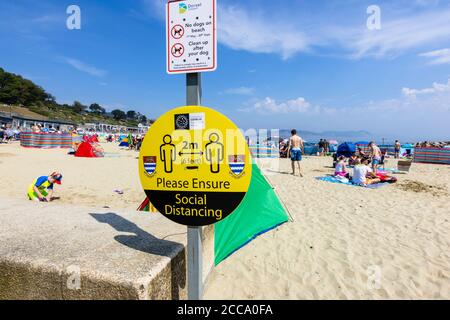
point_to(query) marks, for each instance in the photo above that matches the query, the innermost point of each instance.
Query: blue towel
(349, 183)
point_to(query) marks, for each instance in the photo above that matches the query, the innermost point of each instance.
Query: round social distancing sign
(195, 166)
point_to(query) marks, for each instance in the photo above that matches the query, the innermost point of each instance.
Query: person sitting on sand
(363, 174)
(341, 168)
(42, 188)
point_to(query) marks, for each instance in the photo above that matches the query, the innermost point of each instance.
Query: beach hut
(346, 149)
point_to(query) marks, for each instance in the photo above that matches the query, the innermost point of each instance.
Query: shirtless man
(295, 148)
(375, 154)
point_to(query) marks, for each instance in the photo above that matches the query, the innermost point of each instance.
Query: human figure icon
(168, 153)
(214, 151)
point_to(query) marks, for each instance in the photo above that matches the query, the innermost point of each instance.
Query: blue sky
(312, 65)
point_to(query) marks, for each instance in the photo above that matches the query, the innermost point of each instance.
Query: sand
(344, 243)
(86, 181)
(348, 242)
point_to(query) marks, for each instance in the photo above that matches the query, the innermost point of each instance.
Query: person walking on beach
(375, 155)
(397, 149)
(295, 148)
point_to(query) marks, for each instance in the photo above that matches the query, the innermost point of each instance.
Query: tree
(16, 90)
(143, 119)
(118, 114)
(97, 109)
(131, 114)
(78, 107)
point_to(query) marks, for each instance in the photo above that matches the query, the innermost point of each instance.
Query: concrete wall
(45, 249)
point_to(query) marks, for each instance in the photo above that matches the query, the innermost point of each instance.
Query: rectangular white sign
(191, 36)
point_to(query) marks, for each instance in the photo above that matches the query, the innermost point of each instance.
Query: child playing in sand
(42, 188)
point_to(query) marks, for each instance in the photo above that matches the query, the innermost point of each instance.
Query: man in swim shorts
(295, 148)
(375, 154)
(42, 188)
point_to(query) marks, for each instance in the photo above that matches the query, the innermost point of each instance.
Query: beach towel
(390, 170)
(332, 179)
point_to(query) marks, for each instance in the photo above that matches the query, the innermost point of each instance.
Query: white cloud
(422, 116)
(435, 89)
(271, 106)
(289, 34)
(240, 30)
(240, 91)
(438, 56)
(396, 36)
(83, 67)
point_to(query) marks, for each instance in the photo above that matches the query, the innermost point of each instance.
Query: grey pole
(194, 234)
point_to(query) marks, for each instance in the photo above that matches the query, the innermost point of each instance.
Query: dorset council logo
(183, 8)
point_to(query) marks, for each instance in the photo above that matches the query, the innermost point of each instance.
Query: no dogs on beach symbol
(177, 32)
(177, 50)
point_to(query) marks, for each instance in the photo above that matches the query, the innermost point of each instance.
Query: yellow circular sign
(195, 166)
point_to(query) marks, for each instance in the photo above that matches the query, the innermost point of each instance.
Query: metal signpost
(194, 234)
(193, 166)
(191, 48)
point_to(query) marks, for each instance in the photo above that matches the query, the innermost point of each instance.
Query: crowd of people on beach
(437, 144)
(7, 134)
(365, 165)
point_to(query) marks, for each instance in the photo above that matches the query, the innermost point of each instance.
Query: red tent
(85, 150)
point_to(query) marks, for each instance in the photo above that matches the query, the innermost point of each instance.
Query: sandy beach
(86, 181)
(344, 242)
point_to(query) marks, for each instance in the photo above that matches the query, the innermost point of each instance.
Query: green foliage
(97, 109)
(118, 114)
(78, 107)
(131, 114)
(16, 90)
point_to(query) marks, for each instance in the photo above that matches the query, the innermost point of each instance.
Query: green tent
(259, 212)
